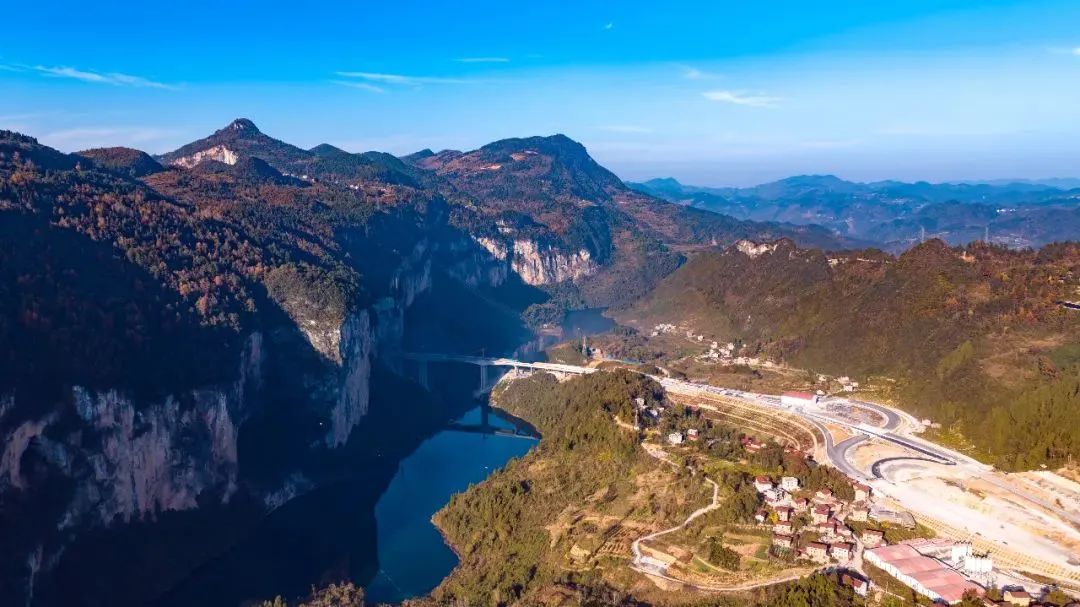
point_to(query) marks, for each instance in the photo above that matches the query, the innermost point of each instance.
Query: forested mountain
(239, 299)
(896, 215)
(975, 336)
(548, 189)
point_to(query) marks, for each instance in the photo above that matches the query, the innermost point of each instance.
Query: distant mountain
(242, 139)
(551, 191)
(134, 163)
(893, 214)
(975, 336)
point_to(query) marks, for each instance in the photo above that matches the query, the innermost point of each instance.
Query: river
(412, 556)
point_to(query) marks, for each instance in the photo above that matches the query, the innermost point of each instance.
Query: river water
(413, 558)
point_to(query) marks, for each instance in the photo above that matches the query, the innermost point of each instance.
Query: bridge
(484, 362)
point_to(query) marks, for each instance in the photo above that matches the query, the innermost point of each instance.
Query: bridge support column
(483, 378)
(422, 373)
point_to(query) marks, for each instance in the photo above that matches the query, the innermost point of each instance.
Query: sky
(711, 93)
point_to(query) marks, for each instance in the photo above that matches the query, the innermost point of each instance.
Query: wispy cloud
(364, 86)
(610, 25)
(624, 128)
(112, 78)
(87, 137)
(1076, 51)
(401, 79)
(692, 73)
(743, 98)
(484, 60)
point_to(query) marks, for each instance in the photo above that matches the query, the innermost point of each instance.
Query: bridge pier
(422, 373)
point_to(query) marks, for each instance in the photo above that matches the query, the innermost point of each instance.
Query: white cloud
(609, 25)
(484, 60)
(692, 73)
(400, 79)
(743, 98)
(1076, 51)
(113, 78)
(365, 86)
(624, 128)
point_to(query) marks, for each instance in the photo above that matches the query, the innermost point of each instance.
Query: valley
(225, 367)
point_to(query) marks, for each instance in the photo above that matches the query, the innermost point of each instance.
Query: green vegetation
(498, 526)
(974, 337)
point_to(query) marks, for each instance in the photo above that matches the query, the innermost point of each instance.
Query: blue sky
(713, 93)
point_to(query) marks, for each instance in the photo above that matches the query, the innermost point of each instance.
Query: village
(878, 549)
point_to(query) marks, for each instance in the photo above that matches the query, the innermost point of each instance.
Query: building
(858, 584)
(789, 483)
(762, 483)
(783, 528)
(824, 494)
(1017, 597)
(801, 504)
(927, 576)
(842, 551)
(816, 551)
(775, 496)
(862, 492)
(692, 434)
(859, 513)
(783, 541)
(761, 516)
(798, 399)
(675, 438)
(901, 518)
(820, 515)
(784, 513)
(872, 538)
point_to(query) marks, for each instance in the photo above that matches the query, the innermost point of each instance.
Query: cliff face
(539, 264)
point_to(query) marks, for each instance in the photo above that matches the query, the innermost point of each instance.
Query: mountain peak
(241, 125)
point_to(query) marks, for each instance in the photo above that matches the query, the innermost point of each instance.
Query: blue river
(412, 556)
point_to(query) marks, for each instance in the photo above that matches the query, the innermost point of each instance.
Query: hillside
(549, 190)
(975, 336)
(894, 215)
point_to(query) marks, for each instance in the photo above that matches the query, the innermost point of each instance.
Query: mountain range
(896, 215)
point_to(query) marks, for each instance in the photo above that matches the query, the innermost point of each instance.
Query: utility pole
(922, 234)
(986, 234)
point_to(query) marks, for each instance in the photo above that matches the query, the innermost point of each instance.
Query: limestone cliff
(540, 264)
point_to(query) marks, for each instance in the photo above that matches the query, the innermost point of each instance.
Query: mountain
(976, 337)
(895, 215)
(242, 139)
(544, 203)
(134, 163)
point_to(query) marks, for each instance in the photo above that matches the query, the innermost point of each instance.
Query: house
(784, 513)
(820, 514)
(692, 434)
(675, 438)
(783, 541)
(825, 494)
(762, 483)
(862, 492)
(1017, 597)
(842, 551)
(872, 538)
(789, 483)
(798, 399)
(859, 585)
(801, 504)
(775, 496)
(859, 513)
(761, 516)
(783, 528)
(816, 551)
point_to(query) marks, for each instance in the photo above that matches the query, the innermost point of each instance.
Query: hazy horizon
(736, 95)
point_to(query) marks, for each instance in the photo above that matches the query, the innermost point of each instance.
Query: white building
(798, 399)
(675, 438)
(789, 483)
